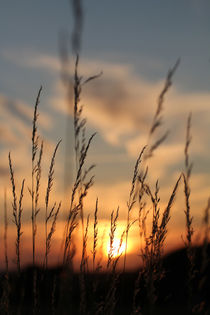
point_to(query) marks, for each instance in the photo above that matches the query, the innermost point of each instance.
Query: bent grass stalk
(157, 119)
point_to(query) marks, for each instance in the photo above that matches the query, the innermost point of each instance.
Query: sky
(134, 43)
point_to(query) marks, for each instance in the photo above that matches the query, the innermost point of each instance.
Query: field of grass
(172, 283)
(175, 283)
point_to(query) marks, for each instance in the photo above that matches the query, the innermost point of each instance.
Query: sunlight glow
(117, 248)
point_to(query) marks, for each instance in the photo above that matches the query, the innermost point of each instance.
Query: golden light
(117, 249)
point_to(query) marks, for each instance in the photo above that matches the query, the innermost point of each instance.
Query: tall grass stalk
(206, 237)
(53, 213)
(113, 226)
(34, 192)
(80, 131)
(35, 143)
(203, 281)
(4, 303)
(84, 258)
(154, 242)
(95, 233)
(114, 255)
(75, 206)
(5, 233)
(83, 270)
(82, 183)
(17, 211)
(132, 201)
(157, 119)
(151, 147)
(188, 216)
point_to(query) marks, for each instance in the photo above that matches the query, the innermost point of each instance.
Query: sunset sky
(134, 43)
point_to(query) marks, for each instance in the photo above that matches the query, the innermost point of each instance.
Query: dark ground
(60, 291)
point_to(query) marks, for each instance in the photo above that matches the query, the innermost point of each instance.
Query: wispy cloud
(16, 117)
(31, 59)
(122, 103)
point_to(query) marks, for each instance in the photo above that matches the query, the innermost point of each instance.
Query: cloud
(121, 103)
(16, 121)
(6, 134)
(31, 59)
(117, 104)
(4, 171)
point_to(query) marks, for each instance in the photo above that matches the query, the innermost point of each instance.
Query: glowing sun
(117, 248)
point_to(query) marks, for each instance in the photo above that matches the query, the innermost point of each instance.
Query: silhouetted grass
(163, 285)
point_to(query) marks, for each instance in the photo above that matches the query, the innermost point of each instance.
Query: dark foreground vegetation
(59, 290)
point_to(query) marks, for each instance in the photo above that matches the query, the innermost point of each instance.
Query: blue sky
(134, 43)
(140, 32)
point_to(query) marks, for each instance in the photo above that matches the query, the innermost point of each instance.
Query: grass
(43, 290)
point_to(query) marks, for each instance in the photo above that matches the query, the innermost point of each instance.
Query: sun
(117, 248)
